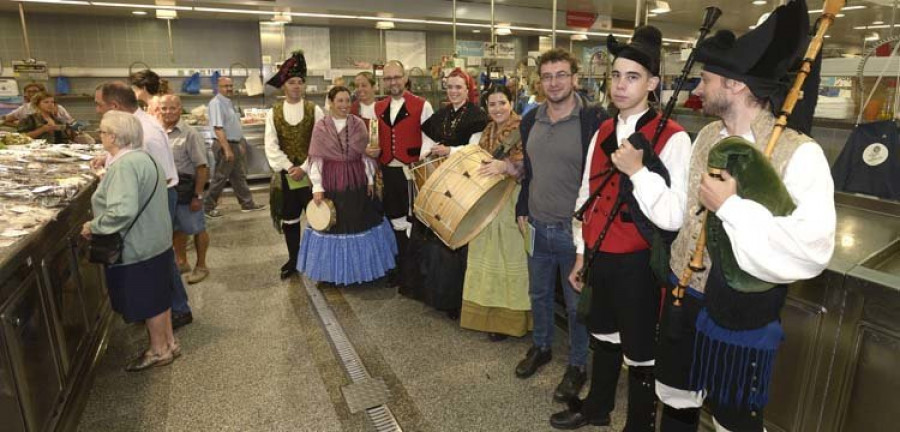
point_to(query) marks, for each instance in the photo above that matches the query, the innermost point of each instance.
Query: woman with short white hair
(131, 201)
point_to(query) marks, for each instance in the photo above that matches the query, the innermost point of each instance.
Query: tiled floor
(256, 359)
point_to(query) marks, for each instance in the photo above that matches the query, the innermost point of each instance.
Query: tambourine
(321, 217)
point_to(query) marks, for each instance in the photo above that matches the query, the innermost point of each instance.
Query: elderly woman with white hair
(131, 201)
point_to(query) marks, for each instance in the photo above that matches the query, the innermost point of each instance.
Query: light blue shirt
(223, 115)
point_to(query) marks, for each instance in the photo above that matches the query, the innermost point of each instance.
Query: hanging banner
(470, 48)
(505, 50)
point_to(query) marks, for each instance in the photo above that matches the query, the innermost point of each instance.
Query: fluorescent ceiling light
(384, 25)
(318, 15)
(759, 2)
(845, 8)
(139, 12)
(401, 20)
(503, 31)
(476, 31)
(877, 22)
(840, 15)
(234, 11)
(579, 37)
(872, 27)
(661, 7)
(63, 2)
(872, 37)
(140, 6)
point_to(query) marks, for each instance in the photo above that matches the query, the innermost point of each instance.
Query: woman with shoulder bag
(131, 234)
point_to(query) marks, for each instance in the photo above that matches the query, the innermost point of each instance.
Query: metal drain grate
(380, 417)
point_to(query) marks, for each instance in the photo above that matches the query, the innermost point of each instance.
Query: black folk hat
(644, 47)
(291, 68)
(762, 57)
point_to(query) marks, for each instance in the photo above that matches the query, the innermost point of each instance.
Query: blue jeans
(554, 254)
(179, 295)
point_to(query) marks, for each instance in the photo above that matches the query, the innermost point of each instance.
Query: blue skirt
(346, 259)
(141, 290)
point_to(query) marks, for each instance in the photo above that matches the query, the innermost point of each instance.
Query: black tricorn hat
(762, 57)
(291, 68)
(644, 47)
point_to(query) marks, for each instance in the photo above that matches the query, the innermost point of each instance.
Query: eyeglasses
(561, 76)
(393, 78)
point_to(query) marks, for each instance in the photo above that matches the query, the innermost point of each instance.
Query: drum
(321, 217)
(423, 169)
(456, 202)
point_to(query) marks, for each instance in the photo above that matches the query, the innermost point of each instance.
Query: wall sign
(34, 71)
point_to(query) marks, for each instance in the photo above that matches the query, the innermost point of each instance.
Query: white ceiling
(681, 23)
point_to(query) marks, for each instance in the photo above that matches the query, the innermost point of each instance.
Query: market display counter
(54, 316)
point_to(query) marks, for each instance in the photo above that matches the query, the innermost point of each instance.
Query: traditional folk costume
(495, 293)
(361, 246)
(288, 132)
(401, 139)
(621, 299)
(443, 270)
(720, 343)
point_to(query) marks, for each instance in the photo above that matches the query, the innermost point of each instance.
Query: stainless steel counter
(54, 315)
(836, 369)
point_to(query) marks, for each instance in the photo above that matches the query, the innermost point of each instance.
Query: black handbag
(107, 248)
(185, 188)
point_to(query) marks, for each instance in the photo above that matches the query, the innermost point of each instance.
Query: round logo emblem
(875, 154)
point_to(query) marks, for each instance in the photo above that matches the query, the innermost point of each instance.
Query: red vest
(622, 237)
(403, 141)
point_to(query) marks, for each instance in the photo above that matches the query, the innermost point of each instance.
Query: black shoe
(497, 337)
(570, 385)
(534, 359)
(181, 320)
(569, 420)
(453, 314)
(288, 270)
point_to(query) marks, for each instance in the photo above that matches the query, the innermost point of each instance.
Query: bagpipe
(651, 160)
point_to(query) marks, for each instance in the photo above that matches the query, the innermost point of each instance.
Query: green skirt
(495, 294)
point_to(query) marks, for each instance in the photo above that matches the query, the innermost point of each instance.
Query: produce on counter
(14, 138)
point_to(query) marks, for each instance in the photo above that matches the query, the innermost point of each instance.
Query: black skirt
(432, 272)
(141, 290)
(356, 211)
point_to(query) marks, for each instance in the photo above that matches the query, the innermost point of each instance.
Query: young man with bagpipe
(620, 298)
(754, 222)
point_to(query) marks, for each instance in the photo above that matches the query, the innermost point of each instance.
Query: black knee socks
(605, 369)
(679, 420)
(641, 400)
(292, 240)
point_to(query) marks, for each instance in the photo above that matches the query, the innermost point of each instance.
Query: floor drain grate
(364, 389)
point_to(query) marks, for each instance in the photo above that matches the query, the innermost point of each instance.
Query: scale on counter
(8, 87)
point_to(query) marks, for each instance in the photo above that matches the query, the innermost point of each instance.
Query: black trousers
(675, 356)
(625, 300)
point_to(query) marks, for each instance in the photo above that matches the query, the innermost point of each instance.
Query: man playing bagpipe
(762, 221)
(622, 298)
